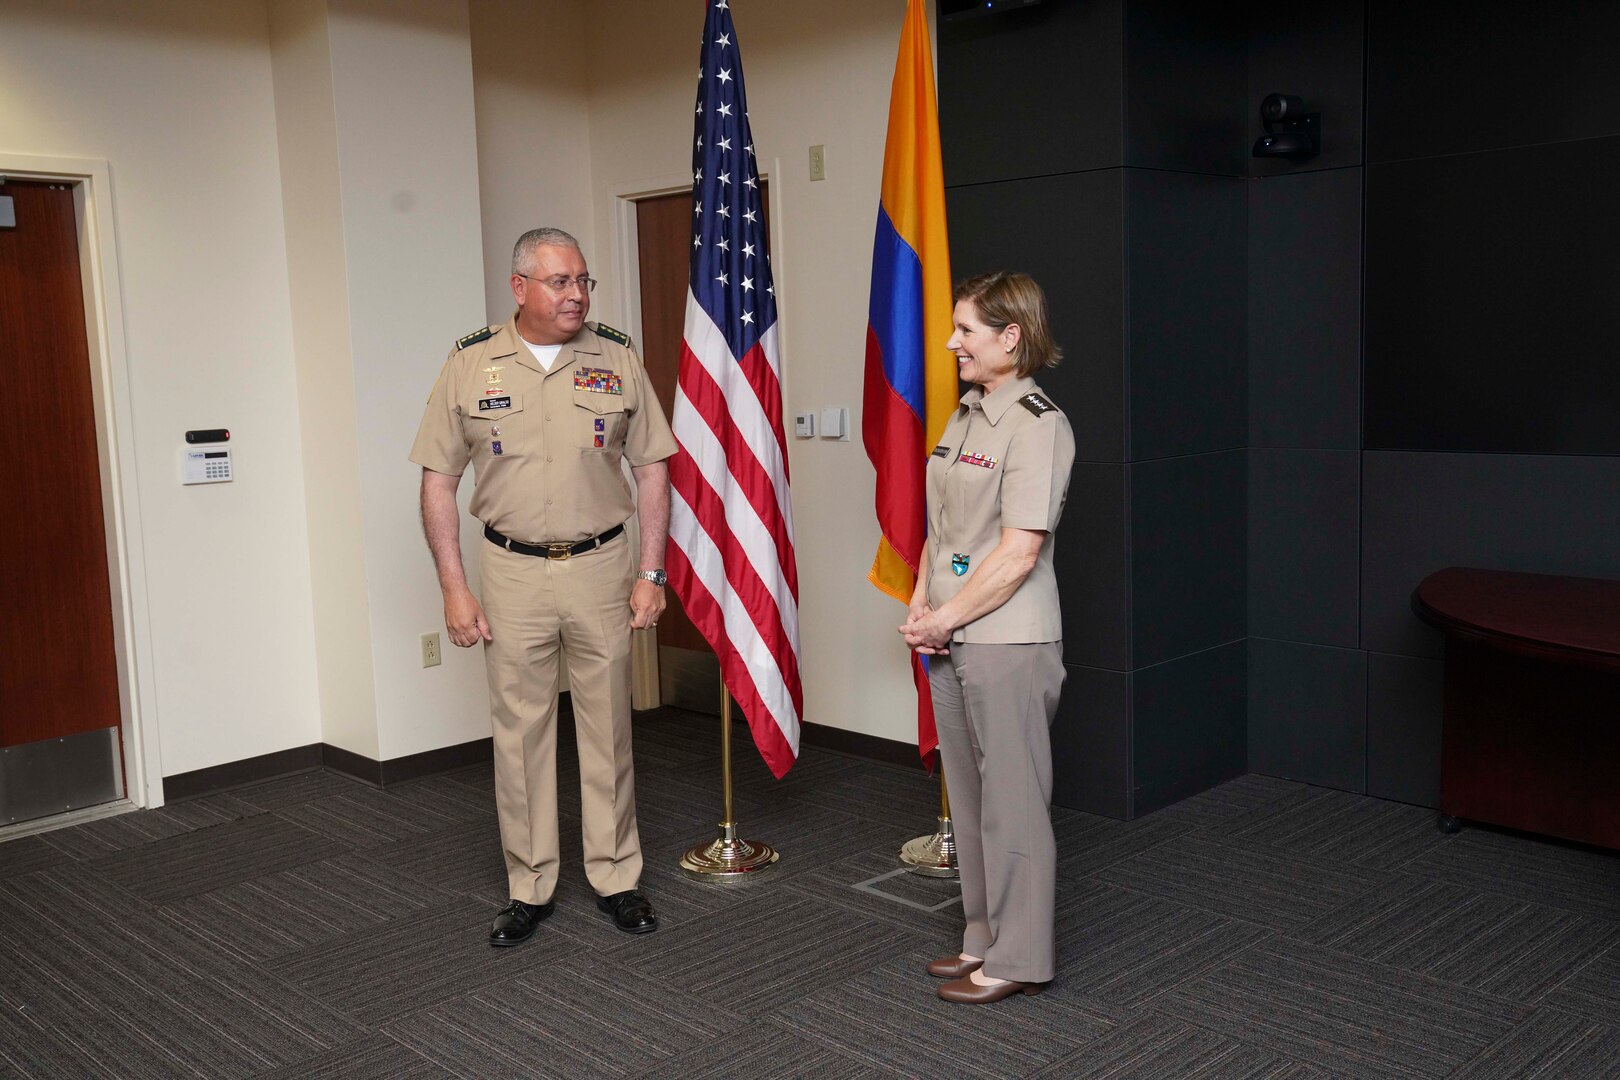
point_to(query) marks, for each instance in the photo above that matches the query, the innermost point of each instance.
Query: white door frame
(91, 180)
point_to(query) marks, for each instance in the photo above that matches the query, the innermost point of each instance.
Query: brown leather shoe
(953, 967)
(967, 992)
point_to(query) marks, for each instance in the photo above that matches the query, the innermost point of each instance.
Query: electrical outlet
(818, 162)
(431, 656)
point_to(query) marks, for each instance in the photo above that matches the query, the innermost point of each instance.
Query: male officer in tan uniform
(544, 407)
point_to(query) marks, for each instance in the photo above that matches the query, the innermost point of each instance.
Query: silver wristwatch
(657, 577)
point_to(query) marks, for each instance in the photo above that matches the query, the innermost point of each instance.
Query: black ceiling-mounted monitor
(967, 9)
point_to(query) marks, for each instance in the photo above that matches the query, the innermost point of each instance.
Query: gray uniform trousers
(993, 706)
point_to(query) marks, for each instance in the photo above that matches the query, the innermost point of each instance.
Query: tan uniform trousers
(535, 608)
(993, 706)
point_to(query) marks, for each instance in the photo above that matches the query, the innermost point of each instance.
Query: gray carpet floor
(313, 927)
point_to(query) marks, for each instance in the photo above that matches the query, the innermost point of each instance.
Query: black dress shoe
(632, 912)
(517, 921)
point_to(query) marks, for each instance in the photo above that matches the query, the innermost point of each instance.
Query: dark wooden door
(58, 675)
(664, 236)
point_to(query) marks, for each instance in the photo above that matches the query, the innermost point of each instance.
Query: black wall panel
(1314, 51)
(1186, 80)
(1305, 310)
(1032, 92)
(1492, 315)
(1091, 742)
(1304, 546)
(1454, 76)
(1188, 561)
(1188, 313)
(1424, 512)
(1404, 698)
(1308, 713)
(1068, 233)
(1188, 725)
(1092, 562)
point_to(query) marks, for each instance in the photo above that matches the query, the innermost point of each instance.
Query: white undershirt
(546, 355)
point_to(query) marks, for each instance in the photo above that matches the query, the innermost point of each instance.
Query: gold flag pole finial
(934, 856)
(727, 859)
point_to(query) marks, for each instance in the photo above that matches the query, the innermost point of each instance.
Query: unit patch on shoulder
(606, 331)
(1037, 404)
(475, 337)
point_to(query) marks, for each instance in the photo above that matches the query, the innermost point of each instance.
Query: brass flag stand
(727, 859)
(934, 856)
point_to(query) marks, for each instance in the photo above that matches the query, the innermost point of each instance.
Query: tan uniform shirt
(1003, 462)
(545, 446)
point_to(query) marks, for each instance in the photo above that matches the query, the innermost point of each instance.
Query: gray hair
(523, 250)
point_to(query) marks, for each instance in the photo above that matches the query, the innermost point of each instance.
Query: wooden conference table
(1532, 701)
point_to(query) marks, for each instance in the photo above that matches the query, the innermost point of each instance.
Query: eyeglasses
(563, 284)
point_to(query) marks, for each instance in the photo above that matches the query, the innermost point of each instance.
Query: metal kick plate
(52, 776)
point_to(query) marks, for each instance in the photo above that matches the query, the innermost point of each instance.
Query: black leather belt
(551, 551)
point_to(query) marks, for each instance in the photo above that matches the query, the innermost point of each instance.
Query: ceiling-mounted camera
(1291, 132)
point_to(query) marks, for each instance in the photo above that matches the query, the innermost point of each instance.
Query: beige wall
(306, 128)
(263, 249)
(815, 74)
(403, 85)
(177, 98)
(534, 139)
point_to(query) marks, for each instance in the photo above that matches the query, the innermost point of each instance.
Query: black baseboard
(234, 774)
(255, 770)
(411, 766)
(857, 744)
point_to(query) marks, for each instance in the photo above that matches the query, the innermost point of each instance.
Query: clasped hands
(925, 631)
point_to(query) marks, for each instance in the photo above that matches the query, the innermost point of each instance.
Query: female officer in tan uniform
(986, 613)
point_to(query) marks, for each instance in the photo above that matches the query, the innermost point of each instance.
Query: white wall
(403, 86)
(534, 140)
(177, 98)
(815, 73)
(306, 128)
(458, 123)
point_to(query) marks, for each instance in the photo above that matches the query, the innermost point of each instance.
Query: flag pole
(727, 859)
(934, 856)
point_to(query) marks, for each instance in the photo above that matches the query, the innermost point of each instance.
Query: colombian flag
(908, 396)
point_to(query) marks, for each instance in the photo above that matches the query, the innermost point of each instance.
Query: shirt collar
(508, 342)
(995, 405)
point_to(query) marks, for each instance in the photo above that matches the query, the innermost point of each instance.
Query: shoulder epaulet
(475, 337)
(1037, 404)
(604, 330)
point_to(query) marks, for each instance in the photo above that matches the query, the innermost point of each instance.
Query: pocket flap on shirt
(599, 403)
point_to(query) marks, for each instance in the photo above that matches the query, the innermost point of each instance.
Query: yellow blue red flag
(911, 385)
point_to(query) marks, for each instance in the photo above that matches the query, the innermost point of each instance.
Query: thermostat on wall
(210, 466)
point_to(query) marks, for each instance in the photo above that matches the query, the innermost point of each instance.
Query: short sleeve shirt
(1002, 462)
(545, 446)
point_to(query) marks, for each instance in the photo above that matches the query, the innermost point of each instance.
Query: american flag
(731, 522)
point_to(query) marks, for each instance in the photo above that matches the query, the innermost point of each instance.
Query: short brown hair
(1004, 297)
